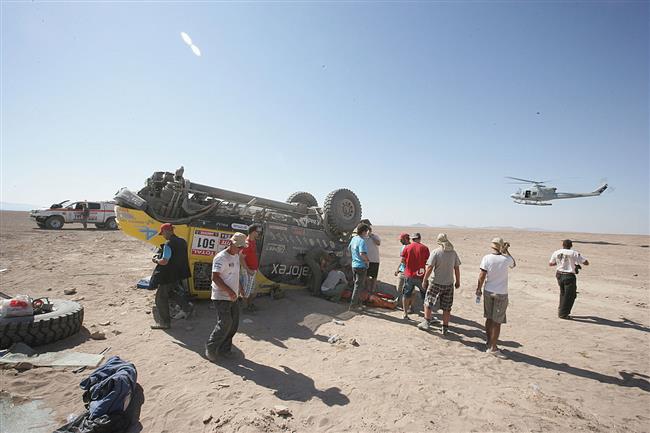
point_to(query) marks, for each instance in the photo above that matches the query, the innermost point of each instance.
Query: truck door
(96, 214)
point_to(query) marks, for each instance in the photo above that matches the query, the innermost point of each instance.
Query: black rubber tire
(41, 225)
(100, 225)
(54, 223)
(302, 197)
(64, 321)
(110, 224)
(342, 211)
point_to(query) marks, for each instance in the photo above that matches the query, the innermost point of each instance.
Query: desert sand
(589, 374)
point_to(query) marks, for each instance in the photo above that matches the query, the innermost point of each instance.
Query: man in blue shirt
(359, 253)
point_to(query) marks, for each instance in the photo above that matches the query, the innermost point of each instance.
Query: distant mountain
(18, 206)
(418, 225)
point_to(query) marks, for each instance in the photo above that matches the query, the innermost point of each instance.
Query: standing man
(225, 290)
(404, 239)
(445, 265)
(372, 242)
(494, 274)
(172, 267)
(85, 214)
(414, 257)
(359, 253)
(567, 263)
(250, 264)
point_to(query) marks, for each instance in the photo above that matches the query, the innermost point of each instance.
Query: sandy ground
(590, 374)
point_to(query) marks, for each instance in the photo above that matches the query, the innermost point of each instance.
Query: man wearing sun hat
(172, 267)
(494, 274)
(443, 266)
(226, 289)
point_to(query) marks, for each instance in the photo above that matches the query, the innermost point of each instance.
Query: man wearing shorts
(494, 274)
(414, 257)
(567, 263)
(372, 243)
(445, 265)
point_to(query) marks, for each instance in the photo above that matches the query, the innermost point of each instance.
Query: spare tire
(341, 211)
(65, 320)
(302, 197)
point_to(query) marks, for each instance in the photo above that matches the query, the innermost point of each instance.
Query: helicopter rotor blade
(527, 180)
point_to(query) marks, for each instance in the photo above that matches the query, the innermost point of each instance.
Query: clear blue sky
(420, 108)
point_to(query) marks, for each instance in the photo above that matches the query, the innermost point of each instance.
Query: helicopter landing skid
(533, 203)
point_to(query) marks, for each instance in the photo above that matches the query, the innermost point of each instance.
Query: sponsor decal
(238, 226)
(208, 243)
(293, 270)
(277, 248)
(148, 232)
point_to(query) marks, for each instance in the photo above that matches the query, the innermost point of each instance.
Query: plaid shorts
(440, 295)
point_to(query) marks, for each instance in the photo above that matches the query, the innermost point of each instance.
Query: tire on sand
(342, 211)
(64, 321)
(111, 224)
(54, 222)
(302, 197)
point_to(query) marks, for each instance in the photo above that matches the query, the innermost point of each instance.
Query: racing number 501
(206, 243)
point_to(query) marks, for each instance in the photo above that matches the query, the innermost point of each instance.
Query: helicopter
(539, 194)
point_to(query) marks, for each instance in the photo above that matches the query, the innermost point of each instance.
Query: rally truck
(206, 217)
(100, 213)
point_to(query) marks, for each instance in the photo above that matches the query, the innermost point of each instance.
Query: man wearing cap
(226, 289)
(414, 257)
(250, 264)
(172, 267)
(372, 242)
(567, 264)
(359, 253)
(404, 239)
(445, 265)
(494, 274)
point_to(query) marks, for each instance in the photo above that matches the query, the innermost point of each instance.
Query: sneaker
(424, 325)
(445, 330)
(565, 317)
(211, 356)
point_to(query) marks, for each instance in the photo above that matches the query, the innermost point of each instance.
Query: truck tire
(64, 321)
(41, 225)
(110, 224)
(54, 223)
(302, 197)
(100, 225)
(342, 211)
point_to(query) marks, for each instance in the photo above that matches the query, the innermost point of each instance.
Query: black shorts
(373, 270)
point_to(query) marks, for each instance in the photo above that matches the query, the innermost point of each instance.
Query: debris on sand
(334, 339)
(69, 291)
(281, 411)
(354, 342)
(98, 335)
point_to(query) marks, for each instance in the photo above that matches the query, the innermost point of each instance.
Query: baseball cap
(416, 236)
(238, 240)
(403, 236)
(164, 227)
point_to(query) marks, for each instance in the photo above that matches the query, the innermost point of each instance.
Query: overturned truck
(206, 217)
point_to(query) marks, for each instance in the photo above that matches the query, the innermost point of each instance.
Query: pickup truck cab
(100, 213)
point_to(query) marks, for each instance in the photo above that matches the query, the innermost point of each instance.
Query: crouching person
(334, 285)
(225, 292)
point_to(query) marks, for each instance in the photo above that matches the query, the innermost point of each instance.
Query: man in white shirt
(567, 263)
(494, 274)
(372, 243)
(226, 289)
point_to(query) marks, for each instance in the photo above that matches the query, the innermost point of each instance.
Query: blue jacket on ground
(109, 388)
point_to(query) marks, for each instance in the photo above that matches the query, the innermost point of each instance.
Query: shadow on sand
(625, 323)
(598, 243)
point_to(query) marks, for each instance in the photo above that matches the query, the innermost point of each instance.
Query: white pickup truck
(100, 213)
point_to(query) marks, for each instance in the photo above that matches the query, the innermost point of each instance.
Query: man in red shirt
(414, 258)
(250, 264)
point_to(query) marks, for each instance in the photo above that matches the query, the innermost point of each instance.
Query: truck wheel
(100, 225)
(302, 197)
(64, 321)
(111, 224)
(54, 223)
(342, 211)
(41, 225)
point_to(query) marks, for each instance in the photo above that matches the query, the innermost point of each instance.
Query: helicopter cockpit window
(534, 192)
(527, 194)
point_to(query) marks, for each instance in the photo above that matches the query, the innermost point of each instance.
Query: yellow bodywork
(203, 243)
